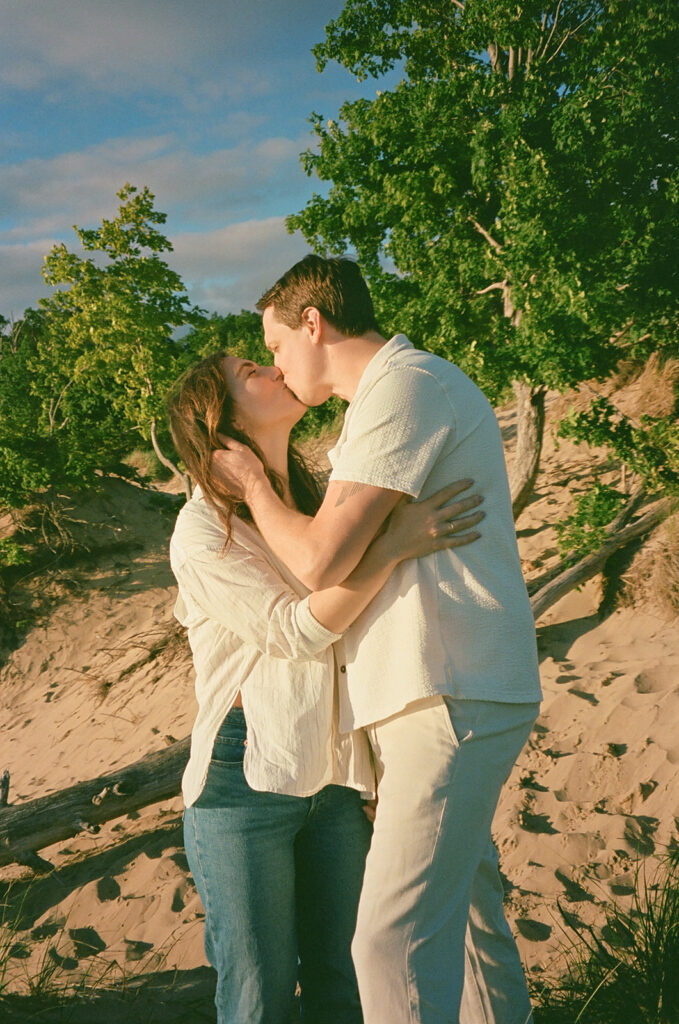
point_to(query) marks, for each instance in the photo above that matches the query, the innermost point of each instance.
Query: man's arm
(322, 551)
(395, 439)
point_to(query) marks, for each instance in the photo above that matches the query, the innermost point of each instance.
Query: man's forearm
(292, 536)
(320, 551)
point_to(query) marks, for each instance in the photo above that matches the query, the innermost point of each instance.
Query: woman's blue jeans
(280, 878)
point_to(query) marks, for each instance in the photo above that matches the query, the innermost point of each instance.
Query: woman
(274, 829)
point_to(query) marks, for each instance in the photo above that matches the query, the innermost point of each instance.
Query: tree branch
(183, 477)
(489, 238)
(591, 564)
(549, 38)
(494, 57)
(495, 286)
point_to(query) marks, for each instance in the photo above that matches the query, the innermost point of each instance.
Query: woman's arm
(414, 529)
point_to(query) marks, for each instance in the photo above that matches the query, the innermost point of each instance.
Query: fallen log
(29, 827)
(591, 564)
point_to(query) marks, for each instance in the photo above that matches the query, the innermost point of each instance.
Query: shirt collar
(378, 363)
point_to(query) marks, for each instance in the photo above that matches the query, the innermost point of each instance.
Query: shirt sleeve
(396, 434)
(242, 592)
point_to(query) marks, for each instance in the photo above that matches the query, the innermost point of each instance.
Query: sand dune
(104, 677)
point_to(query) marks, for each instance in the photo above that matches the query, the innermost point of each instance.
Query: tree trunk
(530, 425)
(29, 827)
(184, 478)
(591, 564)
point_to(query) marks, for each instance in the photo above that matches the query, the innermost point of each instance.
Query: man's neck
(348, 359)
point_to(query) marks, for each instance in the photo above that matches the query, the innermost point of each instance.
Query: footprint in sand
(108, 888)
(534, 931)
(86, 942)
(657, 679)
(528, 781)
(537, 823)
(583, 695)
(639, 832)
(136, 949)
(574, 891)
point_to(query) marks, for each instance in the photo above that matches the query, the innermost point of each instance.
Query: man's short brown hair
(335, 287)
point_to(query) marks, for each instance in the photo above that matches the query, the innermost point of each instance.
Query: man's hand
(237, 467)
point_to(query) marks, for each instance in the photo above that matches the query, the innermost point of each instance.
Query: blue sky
(204, 101)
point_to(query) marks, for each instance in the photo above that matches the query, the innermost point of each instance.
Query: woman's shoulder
(198, 527)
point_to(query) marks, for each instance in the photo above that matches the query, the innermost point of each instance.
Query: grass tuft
(630, 970)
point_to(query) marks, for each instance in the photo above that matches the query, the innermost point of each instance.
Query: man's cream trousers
(432, 944)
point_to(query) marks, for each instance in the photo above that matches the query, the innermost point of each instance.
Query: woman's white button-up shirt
(251, 631)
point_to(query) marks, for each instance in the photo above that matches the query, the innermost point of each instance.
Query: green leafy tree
(88, 371)
(513, 200)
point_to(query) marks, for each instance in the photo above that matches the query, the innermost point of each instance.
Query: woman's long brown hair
(200, 408)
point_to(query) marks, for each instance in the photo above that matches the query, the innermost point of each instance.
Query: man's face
(296, 356)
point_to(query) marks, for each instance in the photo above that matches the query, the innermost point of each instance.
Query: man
(441, 668)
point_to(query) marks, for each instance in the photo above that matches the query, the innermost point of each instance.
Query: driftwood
(590, 565)
(29, 827)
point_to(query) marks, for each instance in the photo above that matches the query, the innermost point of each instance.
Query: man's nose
(276, 373)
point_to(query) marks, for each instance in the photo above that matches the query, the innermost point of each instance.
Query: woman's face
(261, 400)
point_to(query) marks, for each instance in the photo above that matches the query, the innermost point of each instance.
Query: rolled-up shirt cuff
(315, 635)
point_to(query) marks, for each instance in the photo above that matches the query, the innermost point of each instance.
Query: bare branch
(571, 32)
(549, 38)
(54, 406)
(495, 286)
(512, 60)
(493, 53)
(184, 477)
(529, 61)
(489, 238)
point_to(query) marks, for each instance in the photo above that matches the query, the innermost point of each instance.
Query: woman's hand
(417, 528)
(236, 467)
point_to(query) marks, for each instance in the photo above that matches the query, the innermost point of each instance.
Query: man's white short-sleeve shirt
(458, 622)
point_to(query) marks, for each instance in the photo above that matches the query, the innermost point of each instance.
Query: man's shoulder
(419, 359)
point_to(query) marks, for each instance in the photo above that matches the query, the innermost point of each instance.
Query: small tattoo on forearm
(347, 492)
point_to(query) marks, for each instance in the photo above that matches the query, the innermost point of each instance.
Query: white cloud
(224, 270)
(50, 195)
(227, 270)
(21, 283)
(162, 45)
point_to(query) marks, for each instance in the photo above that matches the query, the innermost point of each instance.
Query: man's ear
(313, 320)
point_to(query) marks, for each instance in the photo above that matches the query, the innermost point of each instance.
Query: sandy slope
(104, 678)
